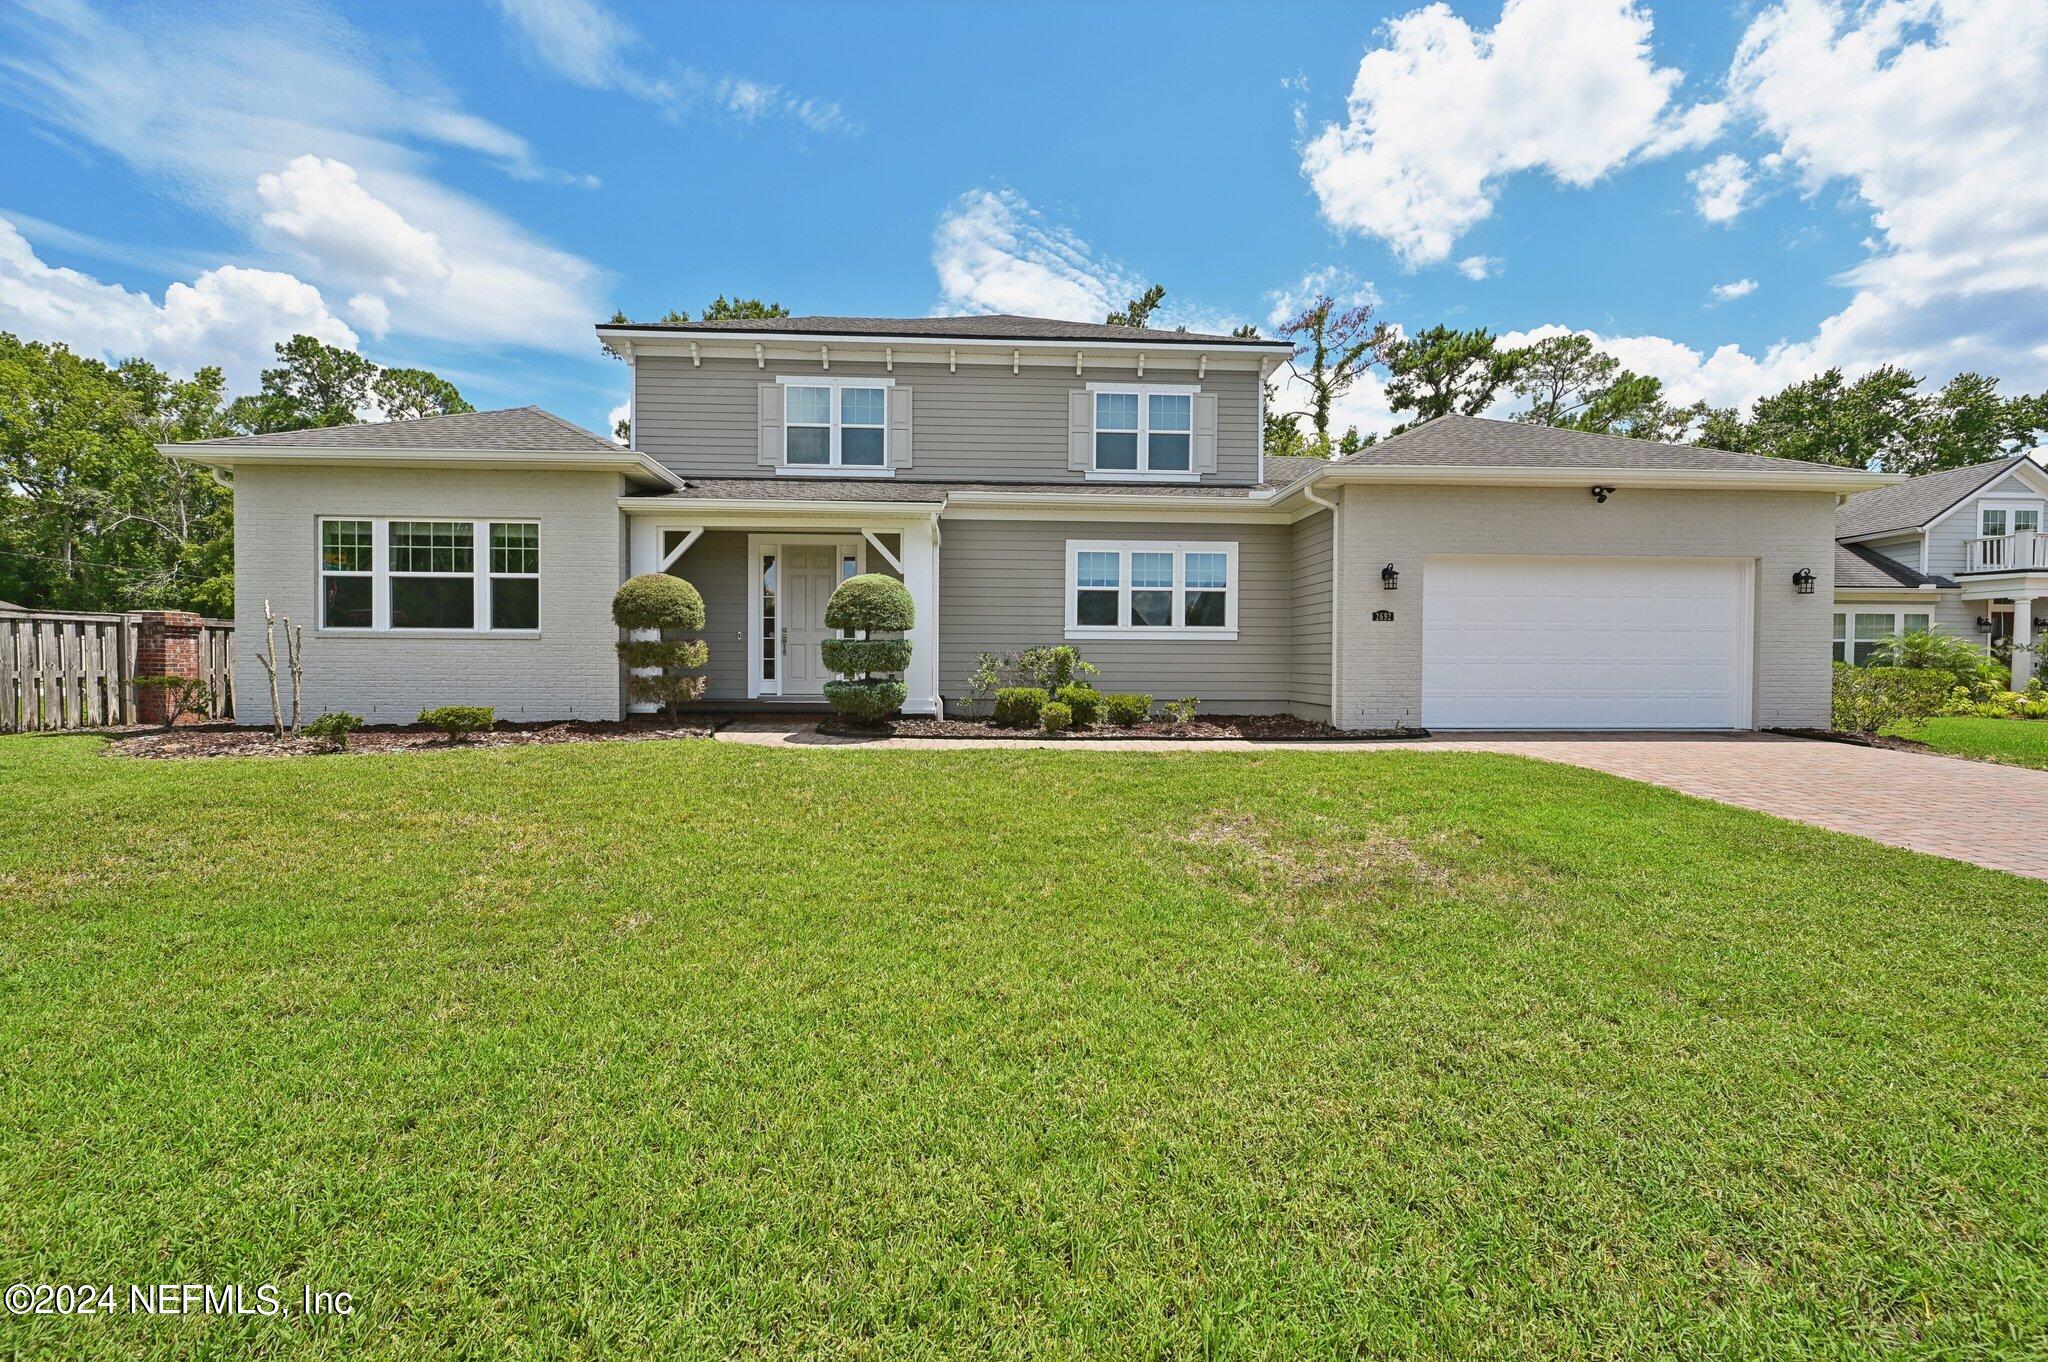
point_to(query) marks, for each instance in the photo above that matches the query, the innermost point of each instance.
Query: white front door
(809, 574)
(1514, 642)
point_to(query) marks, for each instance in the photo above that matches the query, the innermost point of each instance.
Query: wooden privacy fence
(66, 669)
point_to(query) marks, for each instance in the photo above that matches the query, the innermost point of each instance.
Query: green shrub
(1055, 717)
(1084, 701)
(872, 601)
(1868, 699)
(1124, 708)
(1053, 667)
(1180, 713)
(1965, 662)
(656, 600)
(662, 671)
(335, 727)
(2032, 709)
(1019, 706)
(847, 656)
(457, 722)
(867, 701)
(182, 695)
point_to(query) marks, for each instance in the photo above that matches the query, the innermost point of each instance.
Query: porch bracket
(669, 558)
(891, 559)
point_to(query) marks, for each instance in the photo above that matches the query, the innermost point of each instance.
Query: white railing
(2026, 551)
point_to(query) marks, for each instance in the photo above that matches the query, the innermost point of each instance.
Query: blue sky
(471, 187)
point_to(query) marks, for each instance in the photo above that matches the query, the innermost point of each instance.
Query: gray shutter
(771, 424)
(1205, 432)
(1080, 429)
(899, 427)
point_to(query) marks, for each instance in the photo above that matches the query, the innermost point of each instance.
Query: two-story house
(1037, 481)
(1961, 551)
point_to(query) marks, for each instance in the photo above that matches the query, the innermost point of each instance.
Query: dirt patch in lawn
(219, 740)
(1217, 727)
(1283, 860)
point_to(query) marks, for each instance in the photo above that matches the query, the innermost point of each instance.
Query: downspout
(1336, 597)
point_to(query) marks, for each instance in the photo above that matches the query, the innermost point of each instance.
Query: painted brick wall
(1379, 679)
(569, 671)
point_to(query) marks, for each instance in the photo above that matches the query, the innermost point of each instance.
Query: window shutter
(771, 423)
(1080, 429)
(1205, 432)
(899, 427)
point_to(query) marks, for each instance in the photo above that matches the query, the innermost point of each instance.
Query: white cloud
(994, 252)
(1292, 300)
(1721, 188)
(284, 122)
(616, 415)
(1478, 267)
(588, 45)
(371, 313)
(231, 317)
(1729, 292)
(1443, 113)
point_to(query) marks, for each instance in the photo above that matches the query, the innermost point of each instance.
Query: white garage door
(1512, 642)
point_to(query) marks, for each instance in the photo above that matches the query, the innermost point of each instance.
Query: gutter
(630, 462)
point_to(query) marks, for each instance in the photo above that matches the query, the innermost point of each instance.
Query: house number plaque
(1382, 616)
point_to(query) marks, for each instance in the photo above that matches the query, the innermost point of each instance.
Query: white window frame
(833, 468)
(381, 574)
(1845, 626)
(1144, 392)
(1124, 548)
(368, 574)
(2007, 504)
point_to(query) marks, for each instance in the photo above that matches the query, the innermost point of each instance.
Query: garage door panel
(1552, 642)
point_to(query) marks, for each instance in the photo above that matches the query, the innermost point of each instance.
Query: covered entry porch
(766, 573)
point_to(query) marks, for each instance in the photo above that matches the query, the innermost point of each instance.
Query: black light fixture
(1390, 580)
(1983, 624)
(1600, 494)
(1802, 581)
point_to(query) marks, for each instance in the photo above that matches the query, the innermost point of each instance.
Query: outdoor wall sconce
(1802, 581)
(1600, 494)
(1983, 624)
(1390, 580)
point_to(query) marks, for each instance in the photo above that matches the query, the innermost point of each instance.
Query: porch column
(920, 555)
(2022, 640)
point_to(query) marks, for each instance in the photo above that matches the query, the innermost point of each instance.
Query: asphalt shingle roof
(1479, 442)
(515, 429)
(995, 327)
(1910, 504)
(1859, 569)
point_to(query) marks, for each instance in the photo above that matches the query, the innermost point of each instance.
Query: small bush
(1124, 708)
(1019, 706)
(1054, 666)
(869, 602)
(846, 656)
(1868, 699)
(1055, 717)
(334, 728)
(1083, 700)
(1180, 713)
(1966, 663)
(457, 722)
(2032, 709)
(866, 702)
(655, 600)
(182, 695)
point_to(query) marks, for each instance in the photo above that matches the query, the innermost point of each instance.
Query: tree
(662, 670)
(1969, 423)
(1138, 311)
(314, 384)
(1336, 346)
(1870, 423)
(409, 394)
(1444, 371)
(1560, 376)
(868, 604)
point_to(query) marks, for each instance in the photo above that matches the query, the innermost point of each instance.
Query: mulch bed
(1215, 727)
(221, 740)
(1853, 739)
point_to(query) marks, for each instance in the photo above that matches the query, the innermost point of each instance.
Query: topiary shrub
(1019, 706)
(1869, 699)
(334, 728)
(867, 604)
(662, 671)
(1125, 708)
(457, 722)
(1055, 717)
(1083, 700)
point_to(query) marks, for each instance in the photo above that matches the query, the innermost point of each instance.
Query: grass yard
(2017, 742)
(693, 1049)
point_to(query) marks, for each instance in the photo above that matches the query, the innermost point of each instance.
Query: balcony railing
(2026, 551)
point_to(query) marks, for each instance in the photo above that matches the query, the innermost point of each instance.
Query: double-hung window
(1146, 588)
(1858, 632)
(1145, 431)
(832, 424)
(477, 576)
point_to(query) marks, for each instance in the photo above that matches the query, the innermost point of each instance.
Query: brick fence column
(166, 644)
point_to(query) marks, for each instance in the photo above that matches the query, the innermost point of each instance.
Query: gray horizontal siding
(1002, 588)
(1309, 672)
(981, 424)
(1904, 550)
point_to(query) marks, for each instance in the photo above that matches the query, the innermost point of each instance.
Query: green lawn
(692, 1049)
(2018, 742)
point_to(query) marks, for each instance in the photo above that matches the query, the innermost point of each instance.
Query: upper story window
(842, 423)
(1995, 519)
(476, 576)
(1144, 430)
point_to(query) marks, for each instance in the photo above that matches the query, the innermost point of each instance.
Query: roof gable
(1918, 502)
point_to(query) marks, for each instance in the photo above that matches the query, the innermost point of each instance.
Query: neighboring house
(1033, 482)
(1960, 551)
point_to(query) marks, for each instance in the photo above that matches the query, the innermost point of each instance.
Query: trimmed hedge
(679, 655)
(334, 727)
(1019, 706)
(1868, 699)
(845, 656)
(869, 602)
(1124, 708)
(457, 722)
(655, 600)
(1082, 700)
(1055, 717)
(866, 702)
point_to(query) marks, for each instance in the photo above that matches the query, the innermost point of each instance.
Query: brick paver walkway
(1945, 806)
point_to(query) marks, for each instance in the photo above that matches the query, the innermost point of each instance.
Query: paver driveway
(1945, 806)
